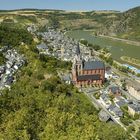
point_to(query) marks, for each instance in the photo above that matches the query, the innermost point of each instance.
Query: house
(120, 101)
(115, 111)
(16, 67)
(133, 109)
(103, 116)
(2, 70)
(5, 48)
(9, 64)
(67, 79)
(8, 71)
(104, 99)
(87, 72)
(42, 47)
(108, 75)
(9, 80)
(118, 98)
(133, 88)
(114, 90)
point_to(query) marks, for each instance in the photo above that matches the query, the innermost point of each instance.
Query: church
(86, 73)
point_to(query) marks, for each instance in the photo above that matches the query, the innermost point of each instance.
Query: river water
(117, 48)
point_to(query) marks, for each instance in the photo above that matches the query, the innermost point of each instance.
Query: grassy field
(117, 48)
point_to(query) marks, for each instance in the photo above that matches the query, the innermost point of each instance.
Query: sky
(71, 5)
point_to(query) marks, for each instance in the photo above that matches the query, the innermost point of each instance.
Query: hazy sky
(121, 5)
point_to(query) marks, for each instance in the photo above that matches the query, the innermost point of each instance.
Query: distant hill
(29, 9)
(107, 22)
(125, 25)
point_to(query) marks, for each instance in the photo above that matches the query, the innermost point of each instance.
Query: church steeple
(78, 53)
(78, 50)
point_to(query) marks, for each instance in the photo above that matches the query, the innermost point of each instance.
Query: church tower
(77, 67)
(74, 71)
(78, 53)
(79, 64)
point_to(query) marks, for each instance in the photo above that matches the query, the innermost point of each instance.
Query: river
(117, 48)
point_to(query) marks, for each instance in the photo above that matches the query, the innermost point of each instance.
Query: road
(98, 105)
(93, 100)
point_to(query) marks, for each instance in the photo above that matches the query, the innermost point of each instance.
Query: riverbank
(117, 48)
(130, 42)
(133, 61)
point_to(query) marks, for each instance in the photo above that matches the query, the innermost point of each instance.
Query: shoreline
(130, 42)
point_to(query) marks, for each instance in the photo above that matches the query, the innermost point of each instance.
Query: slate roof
(42, 46)
(121, 103)
(103, 116)
(114, 89)
(78, 50)
(117, 111)
(90, 65)
(88, 77)
(9, 80)
(135, 107)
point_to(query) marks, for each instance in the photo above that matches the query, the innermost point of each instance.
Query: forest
(13, 36)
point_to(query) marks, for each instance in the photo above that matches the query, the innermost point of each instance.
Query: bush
(40, 76)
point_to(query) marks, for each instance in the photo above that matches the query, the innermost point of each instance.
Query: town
(70, 70)
(117, 97)
(14, 61)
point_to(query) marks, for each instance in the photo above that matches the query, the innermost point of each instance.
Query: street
(98, 106)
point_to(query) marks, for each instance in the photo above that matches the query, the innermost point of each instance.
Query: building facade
(87, 72)
(133, 88)
(133, 109)
(115, 91)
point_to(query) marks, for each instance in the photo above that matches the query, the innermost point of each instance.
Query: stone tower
(77, 64)
(74, 71)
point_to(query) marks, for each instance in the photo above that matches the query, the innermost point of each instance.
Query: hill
(39, 106)
(125, 25)
(113, 23)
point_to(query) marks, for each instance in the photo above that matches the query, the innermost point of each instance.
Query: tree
(54, 22)
(96, 47)
(138, 74)
(14, 36)
(37, 108)
(110, 60)
(83, 41)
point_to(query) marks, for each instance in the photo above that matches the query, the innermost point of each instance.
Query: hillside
(125, 25)
(113, 23)
(67, 19)
(39, 106)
